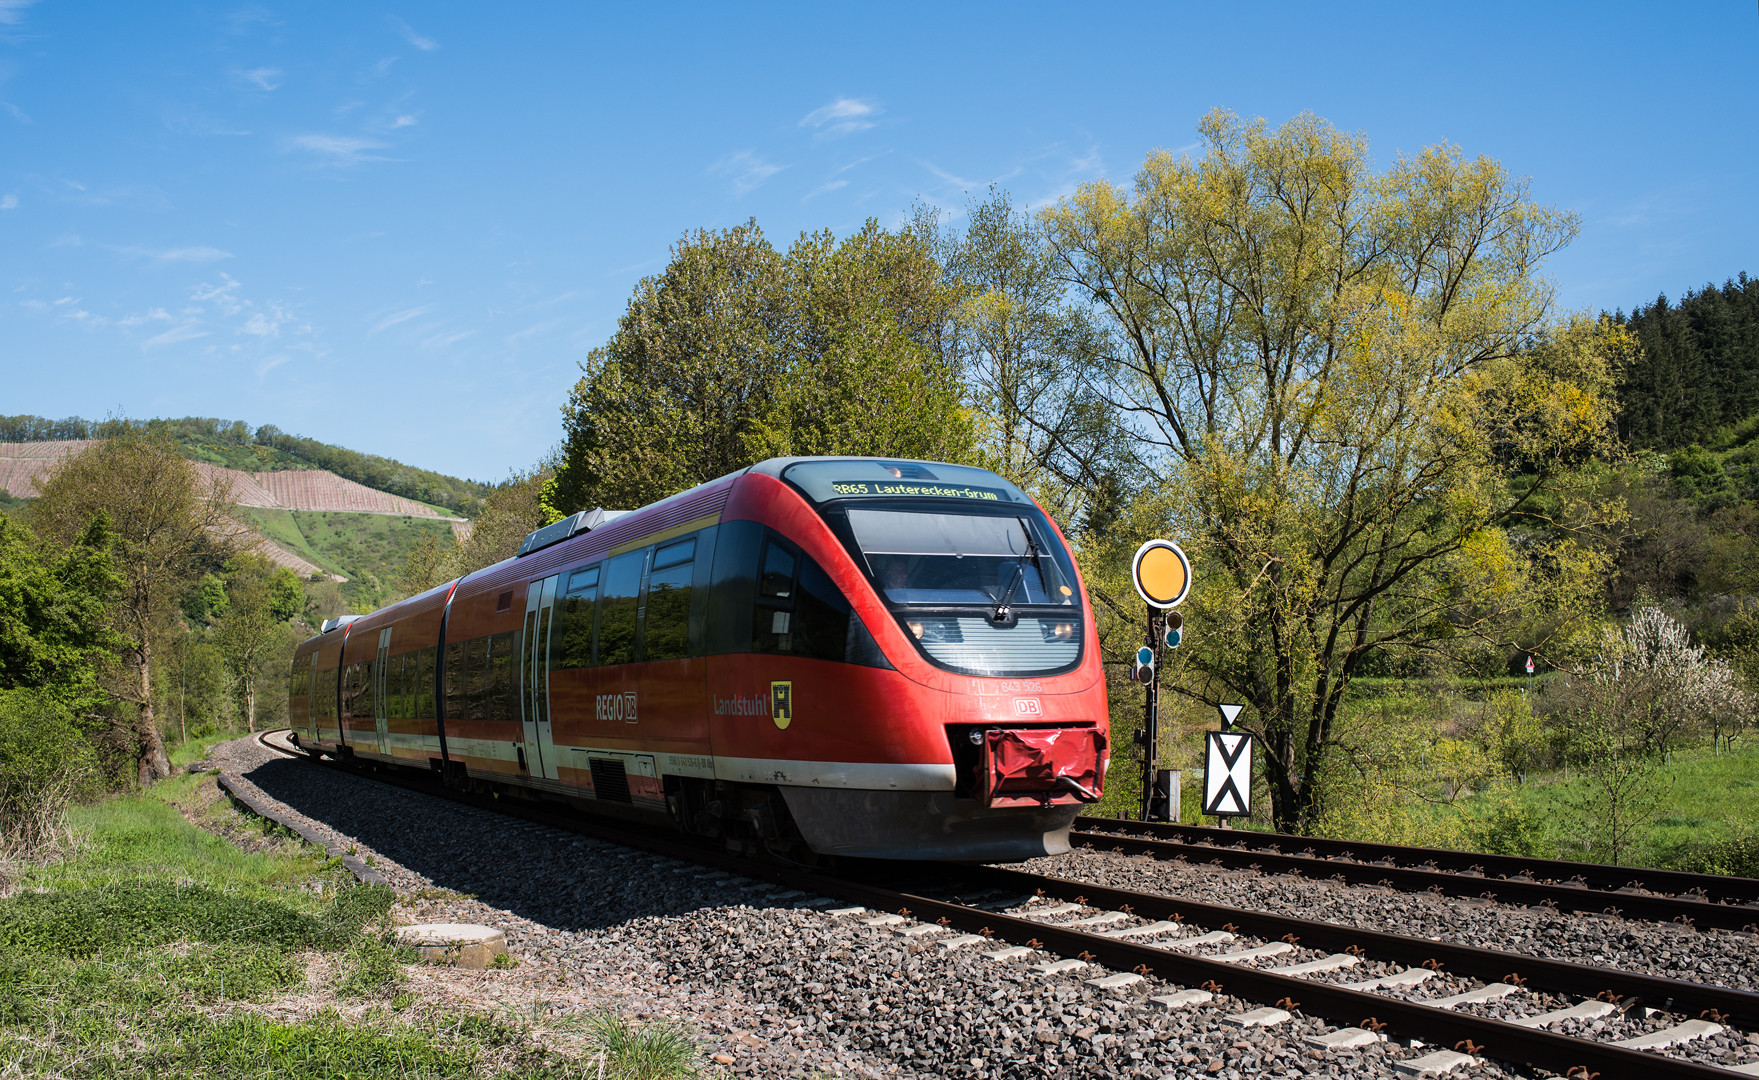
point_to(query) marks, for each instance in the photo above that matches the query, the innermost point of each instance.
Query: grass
(1707, 801)
(370, 550)
(157, 947)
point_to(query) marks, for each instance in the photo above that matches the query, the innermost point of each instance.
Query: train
(811, 658)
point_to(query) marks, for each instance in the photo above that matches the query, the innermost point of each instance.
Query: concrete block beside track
(464, 945)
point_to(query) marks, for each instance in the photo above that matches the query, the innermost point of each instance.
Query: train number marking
(617, 707)
(1027, 706)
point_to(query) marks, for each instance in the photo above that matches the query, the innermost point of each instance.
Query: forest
(1401, 472)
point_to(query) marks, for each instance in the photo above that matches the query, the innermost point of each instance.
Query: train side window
(425, 703)
(732, 588)
(619, 600)
(776, 582)
(667, 633)
(499, 695)
(482, 677)
(406, 685)
(772, 620)
(821, 615)
(454, 689)
(571, 639)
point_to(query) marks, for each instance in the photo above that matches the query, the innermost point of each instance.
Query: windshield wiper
(1002, 613)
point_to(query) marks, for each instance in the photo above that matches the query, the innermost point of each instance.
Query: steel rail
(1462, 1031)
(1562, 897)
(1713, 887)
(1491, 965)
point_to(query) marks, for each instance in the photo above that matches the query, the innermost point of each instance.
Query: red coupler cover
(1038, 766)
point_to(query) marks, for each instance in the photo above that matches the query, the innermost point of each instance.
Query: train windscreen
(967, 564)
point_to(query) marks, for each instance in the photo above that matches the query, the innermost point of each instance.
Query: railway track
(1701, 900)
(1115, 937)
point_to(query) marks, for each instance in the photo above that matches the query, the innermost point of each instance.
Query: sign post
(1227, 769)
(1162, 575)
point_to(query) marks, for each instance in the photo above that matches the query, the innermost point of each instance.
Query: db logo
(1027, 706)
(617, 707)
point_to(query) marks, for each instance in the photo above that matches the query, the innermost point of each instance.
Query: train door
(534, 678)
(380, 667)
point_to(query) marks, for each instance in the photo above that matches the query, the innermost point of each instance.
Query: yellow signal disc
(1162, 573)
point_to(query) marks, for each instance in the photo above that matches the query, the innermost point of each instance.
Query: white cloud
(179, 255)
(17, 113)
(187, 331)
(223, 296)
(12, 11)
(425, 44)
(826, 188)
(384, 66)
(339, 150)
(263, 78)
(403, 121)
(844, 116)
(9, 202)
(155, 315)
(400, 316)
(440, 341)
(533, 331)
(747, 170)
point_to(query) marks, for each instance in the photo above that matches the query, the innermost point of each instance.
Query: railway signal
(1162, 575)
(1143, 670)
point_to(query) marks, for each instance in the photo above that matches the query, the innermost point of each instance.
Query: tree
(170, 525)
(736, 353)
(1660, 686)
(508, 515)
(249, 626)
(1619, 791)
(54, 612)
(1331, 372)
(1021, 346)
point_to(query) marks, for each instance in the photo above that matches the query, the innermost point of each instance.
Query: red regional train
(809, 657)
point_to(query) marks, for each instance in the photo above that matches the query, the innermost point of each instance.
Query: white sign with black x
(1227, 774)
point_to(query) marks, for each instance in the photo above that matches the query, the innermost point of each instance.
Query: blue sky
(400, 228)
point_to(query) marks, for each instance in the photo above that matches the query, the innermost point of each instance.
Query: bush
(1736, 855)
(1513, 829)
(45, 763)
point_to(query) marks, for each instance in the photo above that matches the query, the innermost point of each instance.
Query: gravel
(1719, 957)
(776, 986)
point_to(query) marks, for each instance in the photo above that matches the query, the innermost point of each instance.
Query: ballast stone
(464, 945)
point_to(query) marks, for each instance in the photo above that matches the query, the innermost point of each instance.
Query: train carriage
(843, 656)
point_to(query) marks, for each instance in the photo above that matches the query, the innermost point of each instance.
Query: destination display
(912, 488)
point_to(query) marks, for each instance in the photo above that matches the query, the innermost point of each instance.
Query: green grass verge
(147, 953)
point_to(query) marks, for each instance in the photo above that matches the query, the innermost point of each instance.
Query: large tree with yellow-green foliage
(1328, 374)
(737, 352)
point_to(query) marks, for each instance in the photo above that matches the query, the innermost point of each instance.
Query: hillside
(366, 553)
(310, 520)
(235, 445)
